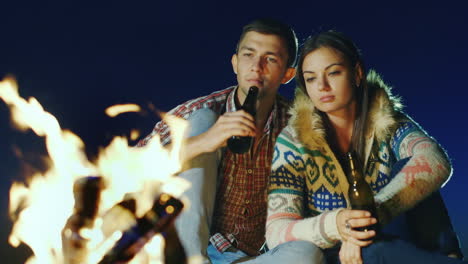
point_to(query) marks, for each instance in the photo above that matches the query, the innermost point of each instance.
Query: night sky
(77, 59)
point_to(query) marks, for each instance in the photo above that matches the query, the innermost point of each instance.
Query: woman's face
(329, 80)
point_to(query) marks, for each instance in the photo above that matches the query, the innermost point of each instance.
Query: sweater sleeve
(426, 170)
(287, 199)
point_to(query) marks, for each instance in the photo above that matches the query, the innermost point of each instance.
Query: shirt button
(249, 171)
(247, 201)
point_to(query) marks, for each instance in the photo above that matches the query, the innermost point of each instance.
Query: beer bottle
(239, 144)
(157, 220)
(360, 193)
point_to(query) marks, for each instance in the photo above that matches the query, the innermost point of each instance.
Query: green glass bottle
(360, 193)
(87, 193)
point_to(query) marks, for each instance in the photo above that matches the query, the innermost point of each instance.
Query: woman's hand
(350, 253)
(347, 220)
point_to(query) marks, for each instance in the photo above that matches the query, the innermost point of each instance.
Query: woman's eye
(334, 73)
(310, 79)
(247, 55)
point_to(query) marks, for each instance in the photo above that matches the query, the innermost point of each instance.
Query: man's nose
(257, 64)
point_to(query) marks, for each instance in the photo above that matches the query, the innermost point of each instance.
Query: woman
(338, 110)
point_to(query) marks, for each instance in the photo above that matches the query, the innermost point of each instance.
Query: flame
(115, 110)
(134, 134)
(46, 201)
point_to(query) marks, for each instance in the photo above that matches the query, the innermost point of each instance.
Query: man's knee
(200, 121)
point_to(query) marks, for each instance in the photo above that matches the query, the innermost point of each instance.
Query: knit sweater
(308, 186)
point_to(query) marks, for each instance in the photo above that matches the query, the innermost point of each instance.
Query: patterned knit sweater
(308, 187)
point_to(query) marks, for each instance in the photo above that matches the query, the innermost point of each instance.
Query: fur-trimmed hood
(381, 120)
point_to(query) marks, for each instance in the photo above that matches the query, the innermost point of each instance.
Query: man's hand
(347, 220)
(239, 123)
(350, 253)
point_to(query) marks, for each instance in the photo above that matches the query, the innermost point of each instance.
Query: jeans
(193, 225)
(398, 249)
(401, 252)
(394, 250)
(297, 252)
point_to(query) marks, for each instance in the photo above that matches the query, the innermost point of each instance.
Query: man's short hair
(274, 27)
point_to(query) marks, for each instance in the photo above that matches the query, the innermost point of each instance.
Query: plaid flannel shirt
(240, 210)
(215, 101)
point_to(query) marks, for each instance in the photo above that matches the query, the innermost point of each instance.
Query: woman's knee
(299, 252)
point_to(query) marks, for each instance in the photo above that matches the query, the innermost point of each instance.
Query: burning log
(87, 192)
(65, 220)
(157, 220)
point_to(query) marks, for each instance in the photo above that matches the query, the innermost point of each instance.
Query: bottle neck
(354, 169)
(249, 104)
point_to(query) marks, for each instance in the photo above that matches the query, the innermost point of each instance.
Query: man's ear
(234, 63)
(289, 75)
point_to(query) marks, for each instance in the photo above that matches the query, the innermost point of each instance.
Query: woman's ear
(289, 75)
(359, 73)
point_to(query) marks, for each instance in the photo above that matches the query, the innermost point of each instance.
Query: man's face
(261, 61)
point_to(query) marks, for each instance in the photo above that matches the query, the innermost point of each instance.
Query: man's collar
(231, 101)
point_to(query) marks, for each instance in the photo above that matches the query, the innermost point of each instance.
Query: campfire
(46, 204)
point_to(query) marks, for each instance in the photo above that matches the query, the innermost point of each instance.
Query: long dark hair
(346, 47)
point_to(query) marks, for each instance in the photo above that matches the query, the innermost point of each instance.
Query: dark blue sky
(77, 59)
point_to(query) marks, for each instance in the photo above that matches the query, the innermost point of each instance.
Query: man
(265, 57)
